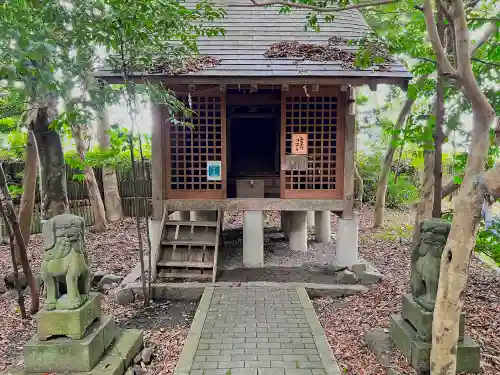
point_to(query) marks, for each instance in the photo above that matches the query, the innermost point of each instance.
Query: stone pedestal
(101, 348)
(323, 227)
(253, 238)
(298, 230)
(411, 332)
(70, 323)
(347, 242)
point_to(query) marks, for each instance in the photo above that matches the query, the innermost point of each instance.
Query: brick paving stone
(255, 331)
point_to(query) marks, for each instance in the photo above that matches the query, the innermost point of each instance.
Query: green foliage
(395, 232)
(488, 242)
(51, 47)
(399, 194)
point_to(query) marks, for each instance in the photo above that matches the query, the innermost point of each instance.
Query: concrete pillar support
(253, 238)
(310, 220)
(298, 230)
(285, 222)
(323, 226)
(347, 241)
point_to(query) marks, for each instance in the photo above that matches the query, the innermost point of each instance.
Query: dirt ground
(345, 320)
(166, 324)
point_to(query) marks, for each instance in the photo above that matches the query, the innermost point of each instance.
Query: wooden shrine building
(273, 129)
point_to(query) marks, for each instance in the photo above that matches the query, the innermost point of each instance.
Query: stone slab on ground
(71, 323)
(127, 344)
(379, 342)
(418, 352)
(255, 330)
(421, 319)
(192, 291)
(64, 354)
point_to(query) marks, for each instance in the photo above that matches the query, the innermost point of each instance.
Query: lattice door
(191, 150)
(319, 120)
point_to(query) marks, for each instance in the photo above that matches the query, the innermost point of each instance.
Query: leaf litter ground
(345, 320)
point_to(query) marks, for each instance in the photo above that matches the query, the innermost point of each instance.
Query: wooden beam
(256, 204)
(349, 155)
(373, 86)
(157, 111)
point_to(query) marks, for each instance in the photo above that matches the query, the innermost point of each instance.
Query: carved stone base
(64, 354)
(418, 352)
(115, 361)
(421, 319)
(70, 323)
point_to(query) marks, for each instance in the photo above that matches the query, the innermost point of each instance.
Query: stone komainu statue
(426, 261)
(65, 262)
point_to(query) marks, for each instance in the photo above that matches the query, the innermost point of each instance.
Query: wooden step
(184, 264)
(187, 243)
(172, 223)
(189, 276)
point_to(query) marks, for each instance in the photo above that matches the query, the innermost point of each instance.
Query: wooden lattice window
(192, 149)
(318, 118)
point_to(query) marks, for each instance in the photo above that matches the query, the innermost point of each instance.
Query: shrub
(399, 194)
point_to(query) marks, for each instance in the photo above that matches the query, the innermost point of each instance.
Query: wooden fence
(78, 196)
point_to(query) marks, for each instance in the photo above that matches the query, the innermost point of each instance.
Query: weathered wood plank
(157, 161)
(257, 204)
(349, 154)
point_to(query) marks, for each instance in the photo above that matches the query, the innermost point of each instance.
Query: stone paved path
(256, 331)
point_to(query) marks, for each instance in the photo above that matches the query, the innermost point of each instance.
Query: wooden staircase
(188, 250)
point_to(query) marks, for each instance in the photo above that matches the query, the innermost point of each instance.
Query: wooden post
(157, 161)
(349, 151)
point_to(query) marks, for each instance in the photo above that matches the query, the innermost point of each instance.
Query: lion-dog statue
(426, 261)
(65, 262)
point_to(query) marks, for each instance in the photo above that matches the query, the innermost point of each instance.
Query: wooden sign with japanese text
(299, 143)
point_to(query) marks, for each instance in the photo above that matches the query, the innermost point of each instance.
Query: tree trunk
(449, 188)
(458, 249)
(28, 198)
(425, 203)
(23, 255)
(100, 224)
(439, 134)
(50, 155)
(389, 155)
(112, 197)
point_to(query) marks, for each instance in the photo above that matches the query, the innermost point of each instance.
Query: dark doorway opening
(253, 146)
(253, 138)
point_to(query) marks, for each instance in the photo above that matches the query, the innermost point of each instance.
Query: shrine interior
(253, 141)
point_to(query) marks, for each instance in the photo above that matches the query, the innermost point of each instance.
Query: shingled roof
(250, 31)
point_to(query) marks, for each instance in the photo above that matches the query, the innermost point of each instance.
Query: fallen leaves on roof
(327, 52)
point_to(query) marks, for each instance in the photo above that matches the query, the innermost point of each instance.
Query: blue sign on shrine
(214, 170)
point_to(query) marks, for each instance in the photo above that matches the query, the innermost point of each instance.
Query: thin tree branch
(495, 19)
(464, 65)
(492, 63)
(444, 65)
(490, 30)
(317, 8)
